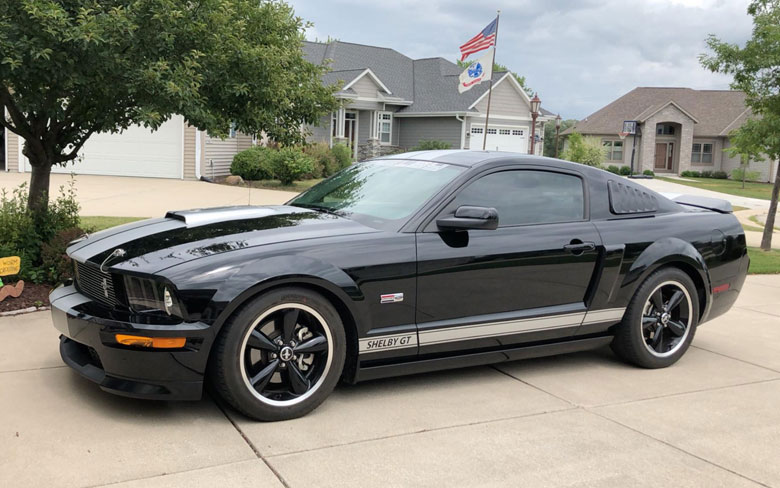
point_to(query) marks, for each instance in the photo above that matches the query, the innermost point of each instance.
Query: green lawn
(94, 224)
(751, 190)
(297, 186)
(763, 262)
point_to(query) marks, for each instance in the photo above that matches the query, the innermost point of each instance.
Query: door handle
(576, 246)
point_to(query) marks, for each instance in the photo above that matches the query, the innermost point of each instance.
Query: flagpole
(490, 88)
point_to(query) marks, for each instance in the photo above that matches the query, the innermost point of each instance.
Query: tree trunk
(39, 184)
(769, 228)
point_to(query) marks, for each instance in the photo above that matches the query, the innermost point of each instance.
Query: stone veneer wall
(685, 139)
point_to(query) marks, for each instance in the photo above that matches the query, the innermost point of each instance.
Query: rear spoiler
(714, 204)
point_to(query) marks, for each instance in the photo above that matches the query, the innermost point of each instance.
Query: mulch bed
(32, 296)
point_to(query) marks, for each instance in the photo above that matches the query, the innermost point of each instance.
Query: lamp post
(557, 132)
(535, 102)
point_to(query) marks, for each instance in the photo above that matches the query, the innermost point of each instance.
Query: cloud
(578, 54)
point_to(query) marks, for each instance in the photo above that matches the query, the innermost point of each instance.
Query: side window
(527, 197)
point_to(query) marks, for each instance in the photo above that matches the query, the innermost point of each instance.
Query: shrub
(430, 145)
(343, 155)
(625, 170)
(253, 163)
(290, 164)
(325, 163)
(739, 173)
(648, 172)
(686, 173)
(706, 174)
(613, 169)
(584, 151)
(720, 175)
(39, 238)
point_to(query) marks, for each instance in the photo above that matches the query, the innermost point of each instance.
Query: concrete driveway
(121, 196)
(579, 420)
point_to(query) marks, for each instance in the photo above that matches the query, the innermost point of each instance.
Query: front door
(523, 282)
(350, 129)
(664, 155)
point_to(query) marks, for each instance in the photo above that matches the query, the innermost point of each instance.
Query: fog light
(153, 342)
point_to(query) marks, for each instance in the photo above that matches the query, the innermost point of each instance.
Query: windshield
(381, 194)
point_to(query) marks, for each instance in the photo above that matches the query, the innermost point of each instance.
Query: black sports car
(415, 262)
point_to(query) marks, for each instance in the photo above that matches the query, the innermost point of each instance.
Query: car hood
(152, 245)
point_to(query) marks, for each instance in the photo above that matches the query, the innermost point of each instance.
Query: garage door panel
(135, 152)
(500, 138)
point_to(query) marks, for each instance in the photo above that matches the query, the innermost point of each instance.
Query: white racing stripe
(606, 315)
(388, 342)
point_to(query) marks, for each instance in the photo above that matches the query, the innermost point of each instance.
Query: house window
(504, 132)
(492, 131)
(613, 150)
(476, 130)
(664, 130)
(517, 132)
(702, 153)
(384, 127)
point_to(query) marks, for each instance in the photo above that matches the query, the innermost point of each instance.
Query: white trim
(183, 143)
(376, 80)
(505, 117)
(5, 148)
(356, 134)
(379, 132)
(526, 127)
(462, 131)
(22, 165)
(517, 86)
(432, 114)
(198, 154)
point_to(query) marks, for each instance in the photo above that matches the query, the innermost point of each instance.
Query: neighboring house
(680, 129)
(175, 150)
(393, 102)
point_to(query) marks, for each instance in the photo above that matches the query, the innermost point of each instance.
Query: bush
(613, 169)
(290, 164)
(325, 163)
(253, 163)
(648, 172)
(686, 174)
(625, 170)
(584, 151)
(431, 145)
(706, 174)
(39, 238)
(720, 175)
(343, 155)
(738, 174)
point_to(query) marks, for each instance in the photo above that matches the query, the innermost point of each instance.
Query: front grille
(95, 284)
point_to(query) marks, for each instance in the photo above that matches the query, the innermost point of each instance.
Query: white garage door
(134, 152)
(500, 138)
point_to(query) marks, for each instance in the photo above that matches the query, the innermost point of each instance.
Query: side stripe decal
(388, 342)
(606, 315)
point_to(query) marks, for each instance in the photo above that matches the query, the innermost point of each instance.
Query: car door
(525, 281)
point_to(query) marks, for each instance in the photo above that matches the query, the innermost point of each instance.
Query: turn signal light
(153, 342)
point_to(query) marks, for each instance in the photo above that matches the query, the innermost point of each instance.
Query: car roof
(471, 159)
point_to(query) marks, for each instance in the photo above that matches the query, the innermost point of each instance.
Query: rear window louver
(625, 199)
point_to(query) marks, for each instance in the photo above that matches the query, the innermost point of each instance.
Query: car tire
(660, 321)
(271, 370)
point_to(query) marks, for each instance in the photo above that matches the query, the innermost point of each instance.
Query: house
(680, 129)
(175, 150)
(393, 102)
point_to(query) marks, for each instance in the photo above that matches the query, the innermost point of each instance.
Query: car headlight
(145, 295)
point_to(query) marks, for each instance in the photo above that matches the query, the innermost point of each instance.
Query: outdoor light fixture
(535, 102)
(557, 132)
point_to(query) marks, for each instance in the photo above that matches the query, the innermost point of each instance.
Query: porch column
(340, 123)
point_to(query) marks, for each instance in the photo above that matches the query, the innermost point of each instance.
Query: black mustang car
(410, 263)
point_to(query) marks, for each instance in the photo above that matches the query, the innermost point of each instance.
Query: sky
(579, 55)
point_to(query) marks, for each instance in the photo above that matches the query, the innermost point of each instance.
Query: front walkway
(583, 419)
(122, 196)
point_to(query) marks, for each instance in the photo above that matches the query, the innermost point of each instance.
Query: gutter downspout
(462, 130)
(197, 154)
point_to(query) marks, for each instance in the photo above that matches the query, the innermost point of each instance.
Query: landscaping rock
(234, 180)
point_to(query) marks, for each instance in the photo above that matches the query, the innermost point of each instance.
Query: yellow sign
(10, 266)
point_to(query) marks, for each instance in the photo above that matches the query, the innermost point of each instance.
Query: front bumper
(88, 345)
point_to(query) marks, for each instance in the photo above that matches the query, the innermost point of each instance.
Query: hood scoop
(196, 217)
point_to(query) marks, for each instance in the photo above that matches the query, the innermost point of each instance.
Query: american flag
(481, 41)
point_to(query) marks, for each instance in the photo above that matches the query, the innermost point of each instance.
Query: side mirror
(474, 218)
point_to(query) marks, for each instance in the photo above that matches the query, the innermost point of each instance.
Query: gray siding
(365, 87)
(364, 126)
(12, 142)
(505, 100)
(411, 130)
(220, 152)
(319, 133)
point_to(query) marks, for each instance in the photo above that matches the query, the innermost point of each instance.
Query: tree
(587, 151)
(549, 136)
(73, 68)
(501, 67)
(756, 71)
(745, 145)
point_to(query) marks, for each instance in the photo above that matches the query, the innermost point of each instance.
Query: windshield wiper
(320, 208)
